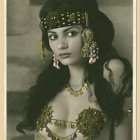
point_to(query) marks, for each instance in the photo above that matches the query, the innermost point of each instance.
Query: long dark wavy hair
(51, 81)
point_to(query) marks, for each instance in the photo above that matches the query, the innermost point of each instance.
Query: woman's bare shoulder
(115, 65)
(113, 70)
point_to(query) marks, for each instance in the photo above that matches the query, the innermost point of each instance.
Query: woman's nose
(62, 43)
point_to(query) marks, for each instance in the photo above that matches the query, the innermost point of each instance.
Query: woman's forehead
(66, 28)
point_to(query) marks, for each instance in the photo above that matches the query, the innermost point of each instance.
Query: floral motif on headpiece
(52, 19)
(60, 19)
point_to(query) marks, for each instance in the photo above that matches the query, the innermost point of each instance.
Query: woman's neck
(77, 74)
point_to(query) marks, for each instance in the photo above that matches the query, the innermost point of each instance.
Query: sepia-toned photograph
(69, 69)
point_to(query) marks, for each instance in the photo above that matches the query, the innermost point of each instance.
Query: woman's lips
(64, 55)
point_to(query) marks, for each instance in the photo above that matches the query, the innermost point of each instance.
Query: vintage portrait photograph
(70, 70)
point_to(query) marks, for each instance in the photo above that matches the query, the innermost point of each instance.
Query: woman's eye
(71, 34)
(52, 37)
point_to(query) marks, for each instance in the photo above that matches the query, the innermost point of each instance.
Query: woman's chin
(65, 63)
(70, 60)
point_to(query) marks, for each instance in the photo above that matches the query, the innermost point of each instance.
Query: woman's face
(66, 43)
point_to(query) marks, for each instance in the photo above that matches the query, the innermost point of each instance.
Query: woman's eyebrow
(71, 28)
(52, 32)
(65, 30)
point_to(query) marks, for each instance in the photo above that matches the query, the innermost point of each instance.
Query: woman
(83, 93)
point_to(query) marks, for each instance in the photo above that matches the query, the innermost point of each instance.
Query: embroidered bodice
(89, 122)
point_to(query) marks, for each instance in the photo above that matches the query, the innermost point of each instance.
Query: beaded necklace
(79, 92)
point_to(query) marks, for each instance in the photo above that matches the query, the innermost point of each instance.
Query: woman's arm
(124, 130)
(115, 72)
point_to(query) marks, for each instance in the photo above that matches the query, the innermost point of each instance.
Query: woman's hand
(124, 130)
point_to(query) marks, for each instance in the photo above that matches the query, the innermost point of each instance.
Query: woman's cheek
(53, 46)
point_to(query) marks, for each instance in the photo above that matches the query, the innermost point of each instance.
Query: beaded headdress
(61, 19)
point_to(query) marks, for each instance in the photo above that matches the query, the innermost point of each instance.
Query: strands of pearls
(78, 92)
(93, 53)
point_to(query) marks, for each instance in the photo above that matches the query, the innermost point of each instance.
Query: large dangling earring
(90, 48)
(93, 53)
(55, 62)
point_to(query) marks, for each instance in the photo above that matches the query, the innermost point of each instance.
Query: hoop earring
(90, 48)
(55, 62)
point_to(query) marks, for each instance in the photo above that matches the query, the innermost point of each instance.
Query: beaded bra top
(89, 123)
